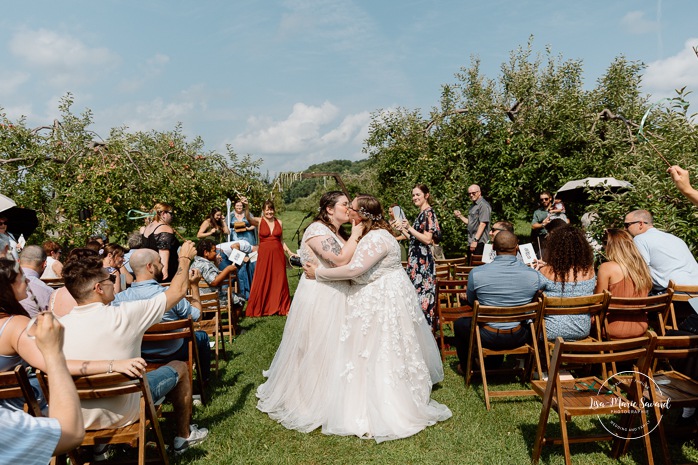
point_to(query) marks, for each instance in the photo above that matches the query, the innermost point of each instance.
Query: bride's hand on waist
(309, 270)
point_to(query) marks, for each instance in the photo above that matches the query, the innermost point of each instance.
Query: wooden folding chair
(452, 262)
(55, 283)
(682, 293)
(594, 305)
(462, 271)
(15, 384)
(655, 308)
(109, 385)
(442, 271)
(450, 306)
(672, 389)
(526, 316)
(176, 330)
(235, 312)
(210, 322)
(592, 395)
(475, 260)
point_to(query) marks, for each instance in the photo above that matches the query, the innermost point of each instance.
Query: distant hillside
(306, 187)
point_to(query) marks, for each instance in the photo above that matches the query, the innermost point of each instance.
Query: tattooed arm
(328, 249)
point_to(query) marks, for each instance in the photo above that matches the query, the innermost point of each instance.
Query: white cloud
(152, 68)
(309, 135)
(11, 82)
(634, 22)
(65, 59)
(674, 72)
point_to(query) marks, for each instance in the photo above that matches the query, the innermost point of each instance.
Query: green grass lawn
(239, 433)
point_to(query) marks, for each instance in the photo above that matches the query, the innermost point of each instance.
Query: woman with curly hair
(386, 358)
(625, 274)
(568, 272)
(214, 227)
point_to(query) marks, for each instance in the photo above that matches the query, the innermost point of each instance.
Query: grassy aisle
(240, 434)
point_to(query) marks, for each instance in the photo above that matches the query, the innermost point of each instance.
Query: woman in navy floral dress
(420, 260)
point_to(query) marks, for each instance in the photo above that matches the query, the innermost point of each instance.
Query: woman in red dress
(269, 294)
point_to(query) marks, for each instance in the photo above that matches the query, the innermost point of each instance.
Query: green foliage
(534, 128)
(62, 172)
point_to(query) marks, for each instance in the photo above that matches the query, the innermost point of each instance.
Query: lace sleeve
(164, 241)
(370, 251)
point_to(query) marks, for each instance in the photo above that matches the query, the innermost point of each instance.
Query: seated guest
(5, 248)
(505, 282)
(147, 267)
(26, 439)
(245, 269)
(32, 260)
(625, 274)
(53, 265)
(568, 272)
(95, 329)
(61, 301)
(205, 263)
(135, 241)
(667, 256)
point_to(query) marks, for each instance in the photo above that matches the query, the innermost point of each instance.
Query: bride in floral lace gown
(296, 392)
(387, 359)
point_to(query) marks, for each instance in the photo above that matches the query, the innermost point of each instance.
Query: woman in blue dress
(240, 232)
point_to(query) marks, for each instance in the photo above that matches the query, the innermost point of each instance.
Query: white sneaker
(196, 436)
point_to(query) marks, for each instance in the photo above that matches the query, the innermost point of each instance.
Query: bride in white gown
(387, 358)
(296, 392)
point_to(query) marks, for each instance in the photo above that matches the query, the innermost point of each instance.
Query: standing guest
(269, 294)
(25, 439)
(242, 228)
(7, 235)
(53, 265)
(625, 274)
(478, 220)
(160, 236)
(421, 266)
(568, 272)
(148, 270)
(683, 183)
(541, 218)
(505, 282)
(667, 256)
(97, 329)
(32, 260)
(214, 227)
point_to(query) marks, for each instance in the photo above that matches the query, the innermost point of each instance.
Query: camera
(295, 260)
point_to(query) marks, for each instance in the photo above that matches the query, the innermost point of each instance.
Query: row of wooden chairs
(614, 394)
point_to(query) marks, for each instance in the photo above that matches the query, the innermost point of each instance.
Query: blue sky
(295, 82)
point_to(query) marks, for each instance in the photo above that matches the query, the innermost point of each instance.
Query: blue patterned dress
(421, 266)
(570, 327)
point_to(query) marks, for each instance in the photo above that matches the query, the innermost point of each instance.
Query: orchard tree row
(535, 127)
(81, 184)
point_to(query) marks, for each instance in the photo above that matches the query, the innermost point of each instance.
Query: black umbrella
(19, 220)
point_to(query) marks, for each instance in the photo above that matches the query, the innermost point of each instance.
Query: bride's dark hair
(329, 200)
(371, 214)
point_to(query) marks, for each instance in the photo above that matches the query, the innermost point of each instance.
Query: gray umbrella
(574, 191)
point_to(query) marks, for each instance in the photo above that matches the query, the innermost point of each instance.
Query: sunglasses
(111, 278)
(473, 193)
(3, 223)
(627, 225)
(544, 199)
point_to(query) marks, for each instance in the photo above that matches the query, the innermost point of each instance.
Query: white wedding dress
(296, 393)
(387, 357)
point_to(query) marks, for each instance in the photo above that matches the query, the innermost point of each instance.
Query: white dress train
(387, 359)
(296, 392)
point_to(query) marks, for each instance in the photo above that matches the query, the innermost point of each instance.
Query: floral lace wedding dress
(387, 358)
(296, 392)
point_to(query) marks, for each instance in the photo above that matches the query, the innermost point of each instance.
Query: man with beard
(147, 267)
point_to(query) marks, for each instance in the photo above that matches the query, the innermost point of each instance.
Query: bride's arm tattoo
(331, 245)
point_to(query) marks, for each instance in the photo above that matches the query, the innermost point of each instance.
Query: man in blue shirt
(147, 268)
(505, 282)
